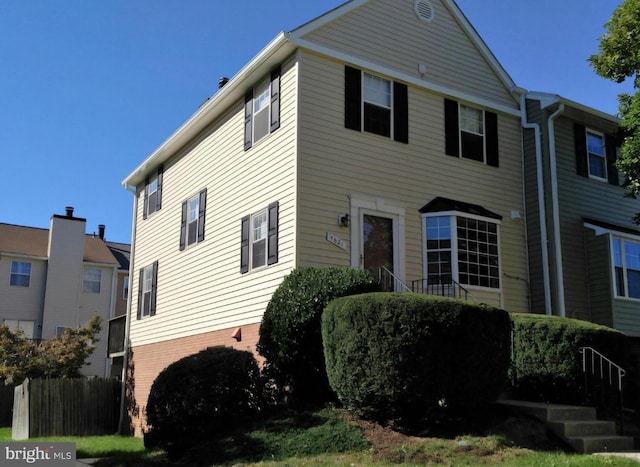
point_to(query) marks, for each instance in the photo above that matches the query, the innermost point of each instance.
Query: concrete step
(569, 428)
(589, 444)
(551, 412)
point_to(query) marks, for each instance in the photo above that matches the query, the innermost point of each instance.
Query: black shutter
(183, 227)
(451, 128)
(275, 99)
(154, 289)
(400, 113)
(146, 195)
(140, 297)
(272, 243)
(244, 245)
(202, 206)
(491, 138)
(248, 112)
(352, 98)
(159, 192)
(610, 148)
(582, 161)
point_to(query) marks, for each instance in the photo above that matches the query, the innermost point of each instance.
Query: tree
(60, 357)
(619, 59)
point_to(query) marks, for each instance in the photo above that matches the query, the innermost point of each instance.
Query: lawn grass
(329, 438)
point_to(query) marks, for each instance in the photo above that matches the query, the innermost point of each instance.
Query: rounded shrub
(409, 358)
(290, 337)
(547, 363)
(201, 397)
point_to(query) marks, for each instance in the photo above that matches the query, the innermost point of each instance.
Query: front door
(377, 242)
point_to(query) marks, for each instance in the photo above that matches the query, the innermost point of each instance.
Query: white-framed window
(147, 291)
(626, 264)
(27, 327)
(20, 274)
(60, 330)
(259, 238)
(262, 109)
(125, 288)
(153, 192)
(597, 157)
(92, 278)
(464, 249)
(193, 218)
(376, 100)
(472, 133)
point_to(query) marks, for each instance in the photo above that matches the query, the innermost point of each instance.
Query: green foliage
(414, 358)
(202, 396)
(60, 357)
(617, 60)
(547, 364)
(290, 338)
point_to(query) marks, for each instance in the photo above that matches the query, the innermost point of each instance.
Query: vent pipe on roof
(69, 211)
(101, 228)
(222, 81)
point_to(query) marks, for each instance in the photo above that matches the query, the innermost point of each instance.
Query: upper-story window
(262, 109)
(91, 280)
(626, 262)
(20, 274)
(153, 193)
(471, 133)
(193, 218)
(376, 105)
(596, 154)
(125, 288)
(259, 238)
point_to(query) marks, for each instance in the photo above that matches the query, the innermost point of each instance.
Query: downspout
(127, 321)
(556, 209)
(541, 204)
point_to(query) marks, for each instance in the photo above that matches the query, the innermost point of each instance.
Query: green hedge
(290, 338)
(408, 358)
(547, 364)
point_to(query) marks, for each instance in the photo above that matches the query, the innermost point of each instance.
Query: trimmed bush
(290, 338)
(202, 397)
(547, 364)
(411, 359)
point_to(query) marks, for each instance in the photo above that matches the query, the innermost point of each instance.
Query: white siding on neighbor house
(201, 288)
(389, 33)
(583, 197)
(336, 164)
(22, 303)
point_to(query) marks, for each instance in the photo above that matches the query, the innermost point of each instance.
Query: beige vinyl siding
(22, 302)
(582, 197)
(201, 289)
(534, 114)
(337, 163)
(599, 277)
(389, 33)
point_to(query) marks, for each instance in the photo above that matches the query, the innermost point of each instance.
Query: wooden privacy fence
(66, 407)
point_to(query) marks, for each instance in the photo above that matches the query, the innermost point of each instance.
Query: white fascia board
(548, 100)
(235, 89)
(8, 254)
(326, 18)
(407, 78)
(599, 230)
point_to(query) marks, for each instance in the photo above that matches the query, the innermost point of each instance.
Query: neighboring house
(584, 247)
(115, 347)
(57, 278)
(382, 134)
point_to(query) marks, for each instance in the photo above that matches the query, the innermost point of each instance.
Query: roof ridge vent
(424, 10)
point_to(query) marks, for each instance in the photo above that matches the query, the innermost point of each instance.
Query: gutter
(541, 204)
(555, 208)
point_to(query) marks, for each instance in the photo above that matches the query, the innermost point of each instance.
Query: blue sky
(88, 89)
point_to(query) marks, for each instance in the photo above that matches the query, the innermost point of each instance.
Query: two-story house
(584, 248)
(381, 135)
(57, 278)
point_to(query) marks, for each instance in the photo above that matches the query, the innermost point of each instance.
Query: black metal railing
(443, 286)
(603, 384)
(116, 335)
(388, 281)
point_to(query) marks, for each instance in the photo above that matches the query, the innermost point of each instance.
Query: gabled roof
(276, 51)
(121, 252)
(34, 242)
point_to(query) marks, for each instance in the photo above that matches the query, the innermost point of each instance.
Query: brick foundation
(149, 360)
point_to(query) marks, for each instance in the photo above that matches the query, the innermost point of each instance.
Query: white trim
(326, 18)
(616, 233)
(23, 256)
(599, 134)
(405, 77)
